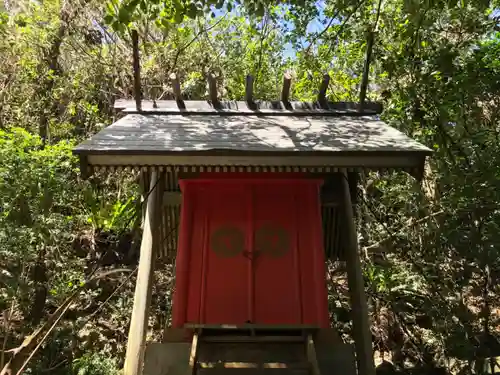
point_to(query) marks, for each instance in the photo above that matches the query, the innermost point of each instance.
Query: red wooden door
(276, 280)
(250, 251)
(226, 284)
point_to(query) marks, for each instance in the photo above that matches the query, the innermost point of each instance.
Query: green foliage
(37, 205)
(95, 364)
(111, 216)
(431, 254)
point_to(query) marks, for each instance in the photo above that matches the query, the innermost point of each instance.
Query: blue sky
(314, 26)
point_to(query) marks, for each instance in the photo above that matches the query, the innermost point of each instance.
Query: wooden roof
(314, 135)
(152, 134)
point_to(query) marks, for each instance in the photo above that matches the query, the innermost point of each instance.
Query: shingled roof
(158, 134)
(255, 135)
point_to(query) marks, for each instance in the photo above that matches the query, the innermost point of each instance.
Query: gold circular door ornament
(227, 241)
(272, 240)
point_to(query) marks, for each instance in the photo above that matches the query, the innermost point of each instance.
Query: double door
(254, 255)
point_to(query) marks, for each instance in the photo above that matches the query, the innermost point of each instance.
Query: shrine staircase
(251, 351)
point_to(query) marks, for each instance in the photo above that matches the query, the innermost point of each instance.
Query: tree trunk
(51, 60)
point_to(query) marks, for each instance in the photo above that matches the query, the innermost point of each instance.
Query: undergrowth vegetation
(431, 256)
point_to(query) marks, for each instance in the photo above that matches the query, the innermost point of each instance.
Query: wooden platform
(251, 350)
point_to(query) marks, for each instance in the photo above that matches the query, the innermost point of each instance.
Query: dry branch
(32, 343)
(371, 248)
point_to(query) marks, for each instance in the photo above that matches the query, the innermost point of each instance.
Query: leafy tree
(432, 263)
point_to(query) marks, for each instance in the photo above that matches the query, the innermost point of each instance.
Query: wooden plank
(257, 365)
(256, 352)
(283, 327)
(359, 306)
(134, 357)
(252, 371)
(252, 339)
(311, 355)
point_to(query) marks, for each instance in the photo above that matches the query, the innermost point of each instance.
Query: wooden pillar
(182, 259)
(361, 325)
(137, 71)
(144, 188)
(134, 357)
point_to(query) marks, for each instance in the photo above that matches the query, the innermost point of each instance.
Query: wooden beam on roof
(322, 91)
(212, 90)
(249, 91)
(270, 108)
(359, 306)
(176, 87)
(134, 358)
(137, 70)
(285, 92)
(366, 70)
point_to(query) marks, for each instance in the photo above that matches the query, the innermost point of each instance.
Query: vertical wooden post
(176, 86)
(361, 324)
(182, 259)
(137, 70)
(322, 90)
(212, 90)
(311, 355)
(134, 357)
(285, 92)
(249, 89)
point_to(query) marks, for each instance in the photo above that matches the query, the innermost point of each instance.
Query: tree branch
(341, 28)
(408, 224)
(316, 37)
(32, 343)
(183, 48)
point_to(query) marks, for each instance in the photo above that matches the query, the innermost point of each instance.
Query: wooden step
(252, 329)
(252, 339)
(251, 371)
(233, 351)
(251, 352)
(255, 365)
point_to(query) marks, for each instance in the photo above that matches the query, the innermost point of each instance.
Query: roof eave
(411, 161)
